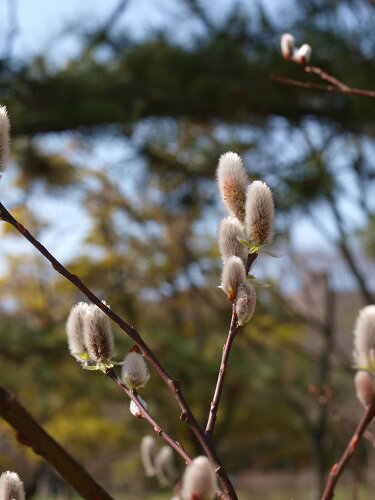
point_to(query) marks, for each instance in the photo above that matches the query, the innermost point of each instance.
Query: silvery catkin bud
(164, 466)
(232, 181)
(364, 339)
(4, 137)
(148, 454)
(287, 45)
(134, 371)
(199, 480)
(74, 330)
(303, 54)
(259, 213)
(232, 276)
(133, 407)
(364, 385)
(245, 303)
(98, 334)
(11, 487)
(230, 232)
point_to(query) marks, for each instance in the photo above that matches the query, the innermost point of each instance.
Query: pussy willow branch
(145, 414)
(338, 468)
(174, 386)
(336, 85)
(30, 433)
(233, 330)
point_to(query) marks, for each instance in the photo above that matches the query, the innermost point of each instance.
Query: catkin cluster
(250, 224)
(302, 55)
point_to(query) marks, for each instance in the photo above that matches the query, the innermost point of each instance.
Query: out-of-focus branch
(30, 433)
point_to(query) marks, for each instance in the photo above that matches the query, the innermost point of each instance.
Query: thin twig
(30, 433)
(336, 86)
(338, 468)
(233, 330)
(174, 386)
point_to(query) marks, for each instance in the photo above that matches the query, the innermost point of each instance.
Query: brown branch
(336, 84)
(233, 330)
(174, 386)
(338, 468)
(145, 414)
(30, 433)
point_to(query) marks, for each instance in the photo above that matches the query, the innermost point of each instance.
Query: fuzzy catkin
(4, 138)
(11, 487)
(259, 213)
(230, 232)
(364, 385)
(98, 335)
(245, 303)
(232, 276)
(148, 454)
(75, 328)
(134, 371)
(232, 181)
(287, 45)
(364, 339)
(164, 466)
(303, 54)
(199, 480)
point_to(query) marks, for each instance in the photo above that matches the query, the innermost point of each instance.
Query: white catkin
(148, 454)
(199, 480)
(230, 231)
(287, 45)
(4, 138)
(165, 468)
(75, 328)
(134, 371)
(259, 213)
(98, 334)
(233, 275)
(232, 181)
(133, 407)
(364, 339)
(364, 385)
(245, 303)
(11, 487)
(303, 54)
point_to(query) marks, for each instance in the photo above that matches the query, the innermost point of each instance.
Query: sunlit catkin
(364, 386)
(75, 328)
(287, 45)
(11, 487)
(303, 54)
(4, 138)
(134, 371)
(364, 339)
(245, 303)
(232, 276)
(98, 335)
(232, 181)
(148, 455)
(259, 213)
(199, 480)
(230, 232)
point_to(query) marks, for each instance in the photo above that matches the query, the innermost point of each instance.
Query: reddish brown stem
(233, 330)
(30, 433)
(174, 386)
(338, 468)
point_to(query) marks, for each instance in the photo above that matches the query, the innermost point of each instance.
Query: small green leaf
(246, 243)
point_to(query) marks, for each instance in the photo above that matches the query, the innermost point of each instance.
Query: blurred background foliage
(113, 168)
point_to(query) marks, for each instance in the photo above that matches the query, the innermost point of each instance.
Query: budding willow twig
(30, 433)
(174, 386)
(233, 330)
(338, 468)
